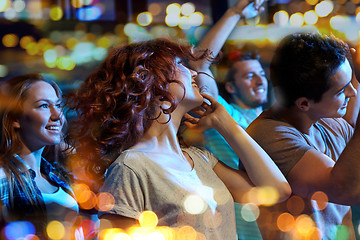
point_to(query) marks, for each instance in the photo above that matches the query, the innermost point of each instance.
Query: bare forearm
(260, 168)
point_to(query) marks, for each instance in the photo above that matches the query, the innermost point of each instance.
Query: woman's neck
(31, 158)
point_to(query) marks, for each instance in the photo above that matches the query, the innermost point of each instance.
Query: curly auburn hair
(118, 102)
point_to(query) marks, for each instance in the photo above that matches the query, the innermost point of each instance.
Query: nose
(56, 113)
(193, 73)
(260, 80)
(351, 91)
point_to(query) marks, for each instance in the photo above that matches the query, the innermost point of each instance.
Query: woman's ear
(229, 87)
(16, 124)
(302, 103)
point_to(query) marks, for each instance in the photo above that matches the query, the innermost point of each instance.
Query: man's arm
(340, 180)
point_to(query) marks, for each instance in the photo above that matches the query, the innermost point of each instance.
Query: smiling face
(41, 121)
(250, 86)
(333, 102)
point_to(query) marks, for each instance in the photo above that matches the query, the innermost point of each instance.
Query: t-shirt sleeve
(125, 186)
(283, 143)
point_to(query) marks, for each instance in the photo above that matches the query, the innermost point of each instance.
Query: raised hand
(209, 115)
(248, 8)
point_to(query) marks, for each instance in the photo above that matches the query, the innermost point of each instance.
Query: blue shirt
(21, 207)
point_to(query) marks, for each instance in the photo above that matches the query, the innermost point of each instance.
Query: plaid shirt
(21, 208)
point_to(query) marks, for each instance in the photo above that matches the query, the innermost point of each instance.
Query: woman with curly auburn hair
(130, 110)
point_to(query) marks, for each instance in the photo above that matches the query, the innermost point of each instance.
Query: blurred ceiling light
(310, 17)
(296, 20)
(196, 19)
(173, 8)
(281, 18)
(324, 8)
(144, 19)
(19, 5)
(172, 20)
(187, 8)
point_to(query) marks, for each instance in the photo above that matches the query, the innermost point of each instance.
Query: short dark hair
(303, 63)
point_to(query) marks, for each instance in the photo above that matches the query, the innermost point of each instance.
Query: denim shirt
(22, 209)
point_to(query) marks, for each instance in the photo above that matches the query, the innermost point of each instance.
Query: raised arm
(260, 169)
(217, 35)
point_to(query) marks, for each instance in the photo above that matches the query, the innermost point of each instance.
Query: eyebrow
(343, 87)
(48, 100)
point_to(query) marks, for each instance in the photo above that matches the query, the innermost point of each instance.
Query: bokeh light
(4, 70)
(187, 8)
(281, 18)
(172, 20)
(250, 212)
(148, 219)
(321, 200)
(4, 5)
(296, 20)
(144, 19)
(10, 40)
(56, 13)
(173, 8)
(194, 204)
(55, 230)
(324, 8)
(304, 225)
(310, 17)
(295, 205)
(19, 230)
(286, 222)
(155, 9)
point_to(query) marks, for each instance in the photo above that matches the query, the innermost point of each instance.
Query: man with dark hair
(312, 133)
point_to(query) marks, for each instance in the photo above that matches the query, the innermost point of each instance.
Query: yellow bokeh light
(285, 222)
(56, 13)
(281, 18)
(186, 232)
(304, 225)
(173, 8)
(103, 42)
(50, 56)
(88, 198)
(194, 204)
(10, 40)
(312, 2)
(148, 219)
(296, 20)
(144, 19)
(310, 17)
(172, 20)
(358, 17)
(184, 22)
(71, 43)
(24, 41)
(154, 9)
(32, 48)
(324, 8)
(77, 3)
(55, 230)
(4, 5)
(113, 234)
(187, 8)
(267, 195)
(250, 212)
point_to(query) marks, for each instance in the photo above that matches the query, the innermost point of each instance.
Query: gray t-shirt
(197, 198)
(286, 146)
